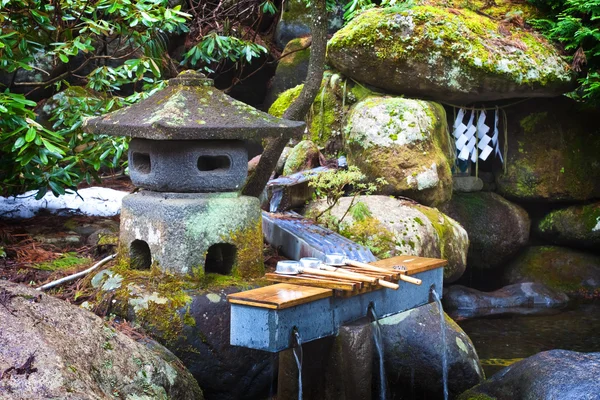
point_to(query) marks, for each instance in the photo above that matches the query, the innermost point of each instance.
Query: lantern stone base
(193, 233)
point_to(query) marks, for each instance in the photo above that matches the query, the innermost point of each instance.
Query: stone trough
(266, 318)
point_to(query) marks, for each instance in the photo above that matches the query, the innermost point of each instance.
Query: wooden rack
(345, 287)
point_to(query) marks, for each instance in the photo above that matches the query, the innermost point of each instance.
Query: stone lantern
(188, 154)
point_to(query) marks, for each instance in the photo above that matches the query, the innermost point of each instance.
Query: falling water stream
(298, 349)
(275, 200)
(378, 338)
(444, 350)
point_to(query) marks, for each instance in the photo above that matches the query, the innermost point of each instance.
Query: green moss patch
(65, 261)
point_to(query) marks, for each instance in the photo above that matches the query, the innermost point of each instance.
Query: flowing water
(501, 341)
(275, 200)
(298, 349)
(378, 338)
(443, 334)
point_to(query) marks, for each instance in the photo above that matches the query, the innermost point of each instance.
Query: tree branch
(297, 111)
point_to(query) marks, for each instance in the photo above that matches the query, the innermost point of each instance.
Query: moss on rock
(573, 272)
(327, 115)
(446, 54)
(477, 212)
(405, 142)
(576, 226)
(65, 261)
(305, 155)
(553, 149)
(404, 227)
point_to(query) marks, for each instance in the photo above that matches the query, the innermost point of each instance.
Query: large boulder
(291, 70)
(448, 55)
(573, 272)
(191, 318)
(576, 226)
(295, 20)
(50, 349)
(405, 142)
(347, 367)
(325, 122)
(554, 374)
(413, 351)
(553, 148)
(520, 298)
(393, 227)
(497, 228)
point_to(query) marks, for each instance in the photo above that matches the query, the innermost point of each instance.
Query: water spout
(275, 200)
(298, 349)
(436, 296)
(378, 338)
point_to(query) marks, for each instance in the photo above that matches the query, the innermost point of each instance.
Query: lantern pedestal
(193, 233)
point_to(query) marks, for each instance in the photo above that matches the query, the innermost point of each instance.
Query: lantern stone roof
(190, 108)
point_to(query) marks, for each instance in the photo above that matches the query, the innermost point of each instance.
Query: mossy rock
(407, 228)
(571, 271)
(497, 228)
(553, 148)
(515, 11)
(191, 317)
(413, 354)
(554, 374)
(305, 155)
(405, 142)
(291, 70)
(575, 226)
(448, 55)
(326, 117)
(295, 20)
(75, 355)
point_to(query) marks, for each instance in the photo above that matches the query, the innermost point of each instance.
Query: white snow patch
(94, 201)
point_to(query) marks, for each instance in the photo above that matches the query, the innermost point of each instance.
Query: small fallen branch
(77, 275)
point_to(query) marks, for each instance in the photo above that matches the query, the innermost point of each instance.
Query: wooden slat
(310, 281)
(359, 284)
(413, 264)
(279, 296)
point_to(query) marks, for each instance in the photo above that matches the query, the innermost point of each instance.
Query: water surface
(502, 341)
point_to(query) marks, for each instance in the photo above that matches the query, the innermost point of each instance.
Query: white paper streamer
(472, 140)
(485, 153)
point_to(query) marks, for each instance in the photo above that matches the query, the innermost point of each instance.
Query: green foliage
(576, 24)
(214, 48)
(371, 233)
(355, 7)
(332, 185)
(100, 44)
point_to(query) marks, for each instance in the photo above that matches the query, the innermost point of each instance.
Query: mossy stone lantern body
(188, 154)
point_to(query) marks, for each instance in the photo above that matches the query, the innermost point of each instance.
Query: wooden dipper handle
(410, 279)
(366, 266)
(349, 274)
(339, 275)
(403, 277)
(389, 285)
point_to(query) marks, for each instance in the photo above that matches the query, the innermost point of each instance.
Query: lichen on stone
(446, 54)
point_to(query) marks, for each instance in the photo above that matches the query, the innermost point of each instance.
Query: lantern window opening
(220, 258)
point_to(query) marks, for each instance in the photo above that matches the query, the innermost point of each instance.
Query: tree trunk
(298, 109)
